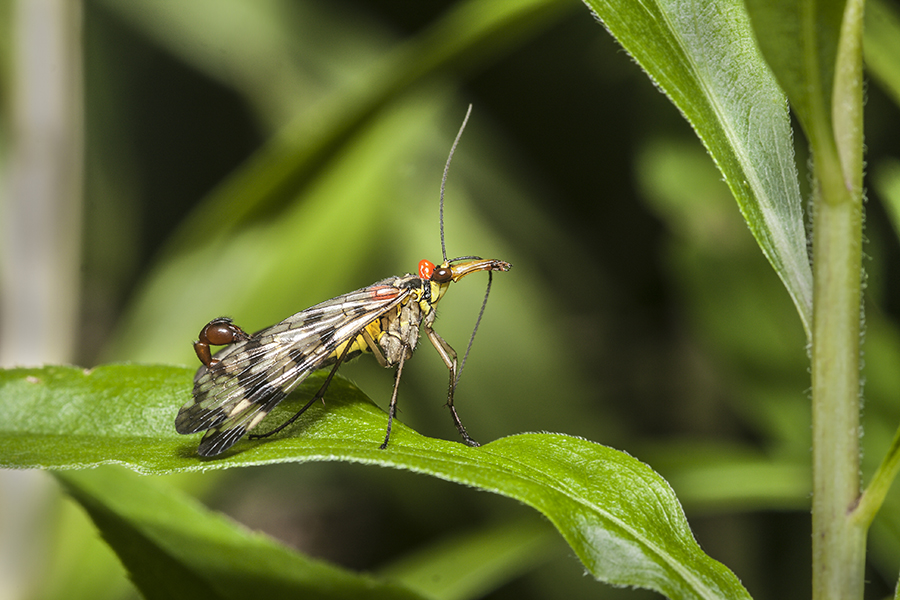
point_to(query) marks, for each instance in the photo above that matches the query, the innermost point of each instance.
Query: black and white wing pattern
(250, 377)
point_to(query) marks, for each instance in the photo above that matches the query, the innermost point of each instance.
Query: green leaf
(815, 50)
(470, 34)
(799, 40)
(886, 181)
(173, 547)
(621, 519)
(882, 46)
(702, 55)
(315, 240)
(847, 97)
(471, 565)
(721, 477)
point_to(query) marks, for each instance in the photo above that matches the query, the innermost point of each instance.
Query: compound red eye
(426, 268)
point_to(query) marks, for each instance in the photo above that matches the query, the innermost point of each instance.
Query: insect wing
(252, 376)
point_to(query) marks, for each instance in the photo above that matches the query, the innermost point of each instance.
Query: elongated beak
(460, 270)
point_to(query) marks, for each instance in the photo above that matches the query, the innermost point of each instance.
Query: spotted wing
(252, 376)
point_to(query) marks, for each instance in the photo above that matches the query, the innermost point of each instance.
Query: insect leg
(375, 349)
(393, 407)
(383, 361)
(448, 354)
(319, 395)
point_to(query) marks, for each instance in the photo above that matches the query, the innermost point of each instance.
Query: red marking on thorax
(426, 268)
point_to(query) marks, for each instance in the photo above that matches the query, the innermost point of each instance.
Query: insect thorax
(401, 327)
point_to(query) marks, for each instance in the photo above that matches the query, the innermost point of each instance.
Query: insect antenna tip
(444, 178)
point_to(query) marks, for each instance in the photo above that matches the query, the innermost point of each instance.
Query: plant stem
(40, 229)
(838, 539)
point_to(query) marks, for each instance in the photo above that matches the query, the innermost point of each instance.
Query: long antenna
(444, 178)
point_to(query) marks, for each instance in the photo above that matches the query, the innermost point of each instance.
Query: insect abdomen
(401, 331)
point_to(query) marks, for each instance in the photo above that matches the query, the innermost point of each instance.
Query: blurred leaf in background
(253, 158)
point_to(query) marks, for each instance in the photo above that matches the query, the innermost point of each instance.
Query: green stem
(839, 538)
(838, 541)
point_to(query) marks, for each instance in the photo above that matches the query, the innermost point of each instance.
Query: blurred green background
(251, 159)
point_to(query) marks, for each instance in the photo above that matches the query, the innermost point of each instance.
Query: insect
(239, 385)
